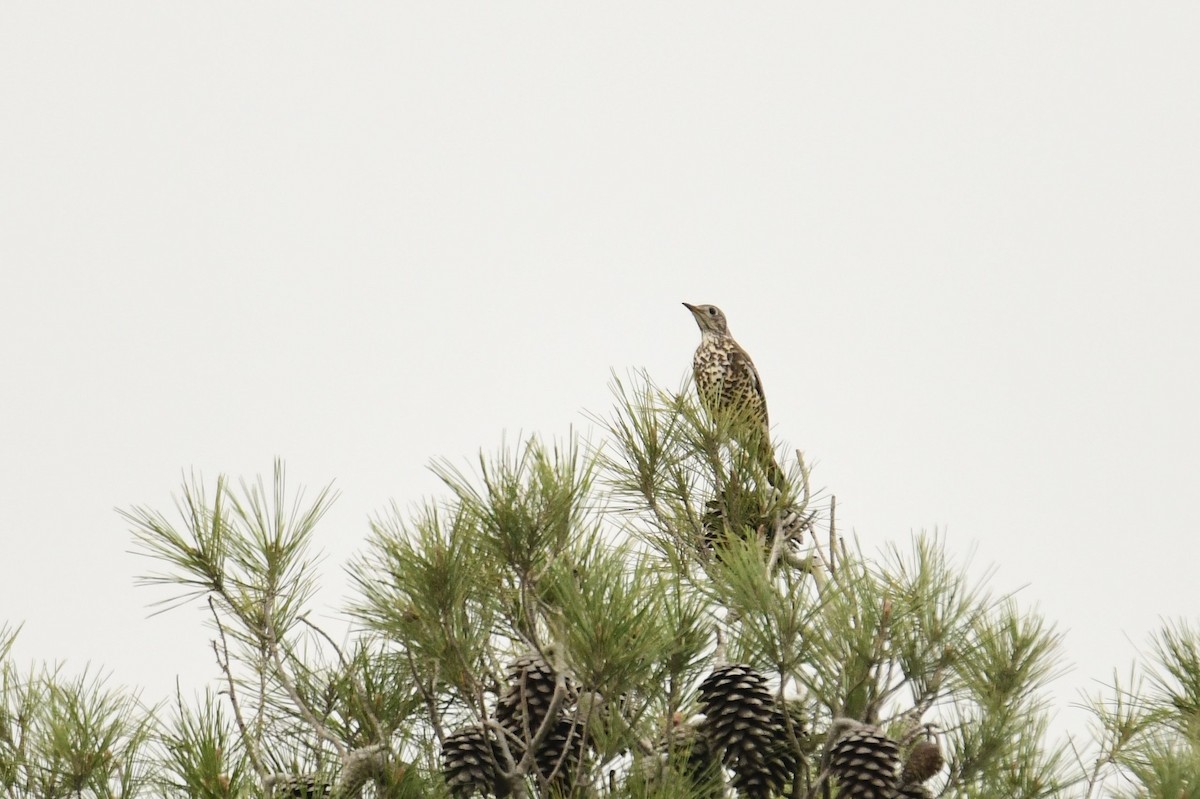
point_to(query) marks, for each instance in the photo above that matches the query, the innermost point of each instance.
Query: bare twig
(805, 486)
(508, 769)
(805, 566)
(285, 679)
(1096, 775)
(222, 655)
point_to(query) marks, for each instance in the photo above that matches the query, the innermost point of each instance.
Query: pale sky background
(961, 241)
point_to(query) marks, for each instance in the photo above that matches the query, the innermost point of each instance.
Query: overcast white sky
(961, 241)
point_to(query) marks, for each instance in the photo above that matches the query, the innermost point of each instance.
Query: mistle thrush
(726, 380)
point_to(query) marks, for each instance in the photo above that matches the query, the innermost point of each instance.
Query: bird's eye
(712, 311)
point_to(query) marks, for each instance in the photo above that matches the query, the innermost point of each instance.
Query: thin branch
(222, 655)
(285, 680)
(805, 485)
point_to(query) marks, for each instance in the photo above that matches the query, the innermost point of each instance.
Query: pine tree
(643, 615)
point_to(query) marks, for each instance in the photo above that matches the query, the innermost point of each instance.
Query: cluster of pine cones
(867, 763)
(473, 760)
(745, 730)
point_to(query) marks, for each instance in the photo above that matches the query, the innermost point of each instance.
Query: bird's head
(709, 318)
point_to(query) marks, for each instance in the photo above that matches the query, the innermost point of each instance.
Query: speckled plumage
(726, 378)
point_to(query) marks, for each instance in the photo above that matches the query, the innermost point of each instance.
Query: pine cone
(737, 511)
(560, 753)
(924, 760)
(765, 778)
(774, 772)
(866, 763)
(744, 724)
(740, 710)
(526, 701)
(913, 792)
(296, 786)
(471, 763)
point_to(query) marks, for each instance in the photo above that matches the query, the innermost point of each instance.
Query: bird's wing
(741, 361)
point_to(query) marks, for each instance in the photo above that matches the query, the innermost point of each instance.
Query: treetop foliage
(639, 615)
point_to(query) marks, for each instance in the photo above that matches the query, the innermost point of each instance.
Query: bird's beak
(691, 307)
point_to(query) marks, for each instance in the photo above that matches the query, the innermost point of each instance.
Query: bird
(728, 382)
